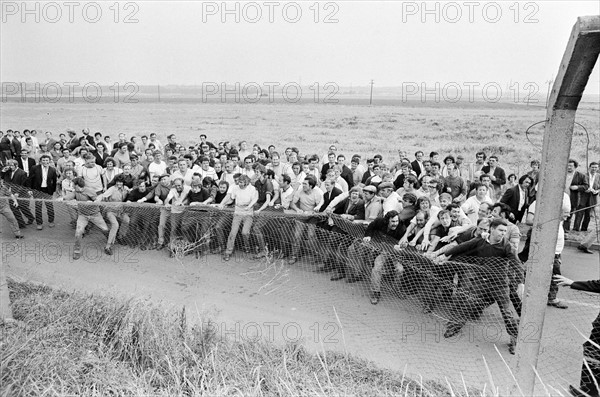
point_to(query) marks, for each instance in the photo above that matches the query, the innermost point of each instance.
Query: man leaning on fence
(493, 282)
(88, 211)
(245, 196)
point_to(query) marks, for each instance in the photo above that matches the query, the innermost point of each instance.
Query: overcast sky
(187, 42)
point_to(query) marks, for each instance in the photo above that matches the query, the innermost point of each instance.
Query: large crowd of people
(356, 218)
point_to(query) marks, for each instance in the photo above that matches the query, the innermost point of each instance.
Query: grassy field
(81, 344)
(447, 128)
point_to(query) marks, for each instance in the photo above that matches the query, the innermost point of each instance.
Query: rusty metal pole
(576, 66)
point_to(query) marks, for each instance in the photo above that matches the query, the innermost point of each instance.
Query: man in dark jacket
(42, 178)
(25, 162)
(588, 199)
(6, 148)
(496, 173)
(488, 281)
(517, 197)
(16, 179)
(591, 352)
(331, 192)
(577, 182)
(381, 234)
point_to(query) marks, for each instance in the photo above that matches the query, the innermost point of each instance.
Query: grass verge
(83, 344)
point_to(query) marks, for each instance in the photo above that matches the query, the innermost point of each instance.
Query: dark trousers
(591, 354)
(582, 218)
(479, 294)
(49, 208)
(553, 285)
(21, 211)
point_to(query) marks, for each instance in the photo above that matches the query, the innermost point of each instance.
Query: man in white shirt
(206, 169)
(245, 197)
(471, 206)
(91, 174)
(157, 145)
(287, 192)
(157, 167)
(306, 202)
(183, 173)
(391, 200)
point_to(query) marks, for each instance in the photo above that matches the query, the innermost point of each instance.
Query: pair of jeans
(246, 222)
(82, 222)
(115, 227)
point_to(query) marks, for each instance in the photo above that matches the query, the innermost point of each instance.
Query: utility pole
(371, 96)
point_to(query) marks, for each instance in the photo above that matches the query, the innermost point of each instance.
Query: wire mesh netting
(444, 318)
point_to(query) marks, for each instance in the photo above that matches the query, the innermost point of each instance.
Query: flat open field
(445, 128)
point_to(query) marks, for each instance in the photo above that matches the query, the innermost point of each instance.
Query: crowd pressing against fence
(444, 230)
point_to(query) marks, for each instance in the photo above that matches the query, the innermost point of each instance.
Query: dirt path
(250, 299)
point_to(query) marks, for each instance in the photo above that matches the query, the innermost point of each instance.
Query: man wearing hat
(391, 200)
(373, 206)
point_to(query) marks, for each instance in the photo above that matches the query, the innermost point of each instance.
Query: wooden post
(576, 66)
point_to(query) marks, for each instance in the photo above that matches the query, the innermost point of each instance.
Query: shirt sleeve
(464, 247)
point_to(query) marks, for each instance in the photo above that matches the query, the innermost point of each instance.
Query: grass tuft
(84, 344)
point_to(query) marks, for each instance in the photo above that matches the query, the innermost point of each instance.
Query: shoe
(558, 304)
(40, 227)
(292, 260)
(375, 297)
(352, 279)
(452, 329)
(226, 257)
(30, 221)
(585, 249)
(512, 346)
(108, 250)
(76, 255)
(19, 236)
(338, 276)
(50, 224)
